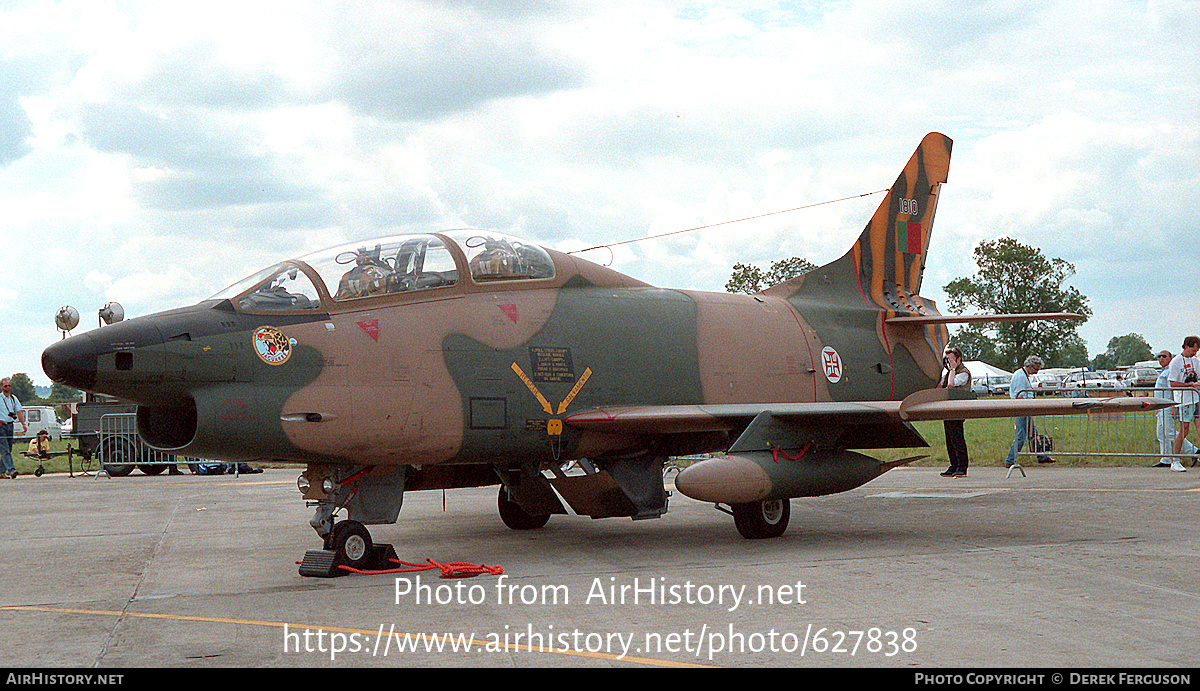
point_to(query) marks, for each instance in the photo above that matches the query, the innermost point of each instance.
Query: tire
(115, 455)
(118, 469)
(149, 469)
(351, 543)
(515, 517)
(762, 519)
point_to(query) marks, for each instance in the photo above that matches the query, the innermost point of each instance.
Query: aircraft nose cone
(72, 362)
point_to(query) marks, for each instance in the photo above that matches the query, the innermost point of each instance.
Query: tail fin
(889, 256)
(877, 281)
(888, 259)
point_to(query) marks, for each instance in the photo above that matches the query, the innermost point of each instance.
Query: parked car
(994, 385)
(1044, 383)
(1141, 377)
(1090, 380)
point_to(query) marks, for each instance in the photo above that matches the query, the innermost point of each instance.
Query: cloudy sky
(152, 153)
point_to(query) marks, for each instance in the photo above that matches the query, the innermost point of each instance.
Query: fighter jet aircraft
(470, 358)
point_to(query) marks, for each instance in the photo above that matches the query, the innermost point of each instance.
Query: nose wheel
(348, 544)
(350, 541)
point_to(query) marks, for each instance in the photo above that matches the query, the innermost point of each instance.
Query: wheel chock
(384, 556)
(320, 563)
(323, 563)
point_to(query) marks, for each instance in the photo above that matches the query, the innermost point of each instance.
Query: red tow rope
(453, 569)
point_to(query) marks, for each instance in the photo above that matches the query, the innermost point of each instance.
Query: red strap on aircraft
(776, 452)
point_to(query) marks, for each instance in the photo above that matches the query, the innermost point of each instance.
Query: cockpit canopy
(398, 264)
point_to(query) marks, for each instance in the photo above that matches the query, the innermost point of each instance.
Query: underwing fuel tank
(760, 475)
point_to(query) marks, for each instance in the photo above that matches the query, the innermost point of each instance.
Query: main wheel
(762, 519)
(515, 517)
(150, 469)
(351, 543)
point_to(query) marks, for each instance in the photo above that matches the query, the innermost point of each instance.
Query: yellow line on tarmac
(474, 643)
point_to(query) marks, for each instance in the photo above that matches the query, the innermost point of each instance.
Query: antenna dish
(112, 313)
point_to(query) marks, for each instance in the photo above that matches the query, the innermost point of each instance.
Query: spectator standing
(955, 376)
(1166, 417)
(1025, 429)
(1184, 379)
(10, 412)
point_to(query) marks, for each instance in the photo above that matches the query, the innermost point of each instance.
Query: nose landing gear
(349, 544)
(373, 499)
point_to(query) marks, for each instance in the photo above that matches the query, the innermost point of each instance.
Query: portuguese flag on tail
(908, 237)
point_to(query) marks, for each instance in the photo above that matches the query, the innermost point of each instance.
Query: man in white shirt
(1166, 417)
(10, 412)
(1020, 387)
(1184, 379)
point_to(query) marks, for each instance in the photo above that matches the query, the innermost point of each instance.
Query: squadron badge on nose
(272, 345)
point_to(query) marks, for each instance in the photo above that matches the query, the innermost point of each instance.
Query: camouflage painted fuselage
(486, 372)
(475, 374)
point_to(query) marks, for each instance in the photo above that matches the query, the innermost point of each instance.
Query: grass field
(1080, 440)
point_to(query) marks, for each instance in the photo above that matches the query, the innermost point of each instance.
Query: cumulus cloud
(15, 129)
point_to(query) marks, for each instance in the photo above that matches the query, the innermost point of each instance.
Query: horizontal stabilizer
(970, 318)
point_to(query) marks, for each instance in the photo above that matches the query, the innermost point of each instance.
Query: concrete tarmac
(1063, 568)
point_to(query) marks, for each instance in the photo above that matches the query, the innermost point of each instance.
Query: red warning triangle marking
(510, 310)
(371, 328)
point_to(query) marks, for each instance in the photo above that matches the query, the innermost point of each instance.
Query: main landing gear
(514, 516)
(762, 519)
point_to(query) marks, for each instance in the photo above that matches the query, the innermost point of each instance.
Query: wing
(834, 424)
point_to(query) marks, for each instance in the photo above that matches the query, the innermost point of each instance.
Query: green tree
(1123, 351)
(22, 387)
(1073, 353)
(976, 345)
(1017, 278)
(63, 393)
(747, 278)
